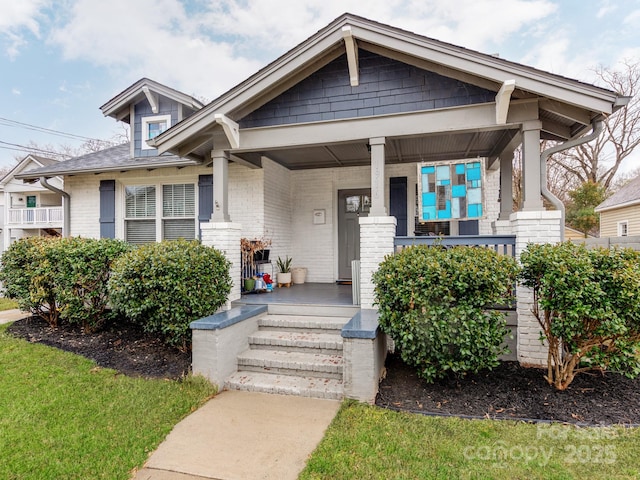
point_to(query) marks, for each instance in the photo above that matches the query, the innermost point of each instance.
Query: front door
(352, 204)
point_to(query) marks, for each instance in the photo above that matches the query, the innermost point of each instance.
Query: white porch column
(378, 208)
(531, 166)
(506, 185)
(376, 240)
(225, 236)
(220, 186)
(532, 227)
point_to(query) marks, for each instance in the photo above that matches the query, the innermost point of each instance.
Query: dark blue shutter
(398, 203)
(107, 209)
(205, 197)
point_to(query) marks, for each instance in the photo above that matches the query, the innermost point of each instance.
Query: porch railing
(505, 244)
(35, 216)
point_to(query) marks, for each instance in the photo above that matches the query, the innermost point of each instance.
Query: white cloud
(606, 8)
(16, 17)
(15, 91)
(207, 47)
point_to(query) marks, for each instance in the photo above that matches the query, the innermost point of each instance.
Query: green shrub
(82, 267)
(436, 305)
(61, 278)
(165, 286)
(588, 305)
(27, 278)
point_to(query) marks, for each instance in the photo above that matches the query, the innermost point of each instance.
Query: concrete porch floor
(327, 294)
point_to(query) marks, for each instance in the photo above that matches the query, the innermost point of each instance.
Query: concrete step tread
(286, 385)
(303, 321)
(296, 339)
(283, 359)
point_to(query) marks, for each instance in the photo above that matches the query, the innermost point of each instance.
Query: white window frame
(146, 121)
(623, 228)
(159, 217)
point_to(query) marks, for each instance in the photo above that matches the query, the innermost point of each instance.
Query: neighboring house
(362, 134)
(573, 234)
(620, 213)
(30, 209)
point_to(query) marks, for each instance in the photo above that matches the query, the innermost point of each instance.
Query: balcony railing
(35, 216)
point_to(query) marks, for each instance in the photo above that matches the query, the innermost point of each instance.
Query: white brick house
(319, 151)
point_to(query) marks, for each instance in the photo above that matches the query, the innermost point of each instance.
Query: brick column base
(532, 227)
(225, 236)
(376, 241)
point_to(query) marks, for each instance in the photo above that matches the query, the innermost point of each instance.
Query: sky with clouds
(60, 60)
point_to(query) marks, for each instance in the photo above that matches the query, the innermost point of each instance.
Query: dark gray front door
(352, 204)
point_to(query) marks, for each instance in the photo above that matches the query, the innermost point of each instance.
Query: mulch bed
(508, 392)
(514, 392)
(121, 346)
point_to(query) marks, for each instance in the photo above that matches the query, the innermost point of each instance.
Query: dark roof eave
(115, 168)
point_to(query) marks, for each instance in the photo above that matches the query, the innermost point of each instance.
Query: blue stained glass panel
(429, 199)
(455, 208)
(474, 173)
(443, 173)
(429, 213)
(458, 191)
(428, 170)
(446, 213)
(459, 168)
(474, 195)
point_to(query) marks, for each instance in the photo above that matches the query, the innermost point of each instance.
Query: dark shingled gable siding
(143, 109)
(386, 86)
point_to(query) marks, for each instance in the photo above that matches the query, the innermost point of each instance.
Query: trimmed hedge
(436, 305)
(61, 278)
(165, 286)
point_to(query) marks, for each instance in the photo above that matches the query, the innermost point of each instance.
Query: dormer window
(152, 127)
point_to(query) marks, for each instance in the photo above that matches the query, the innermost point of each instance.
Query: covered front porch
(356, 139)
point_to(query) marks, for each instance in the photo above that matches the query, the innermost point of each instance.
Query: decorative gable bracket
(352, 55)
(503, 97)
(231, 129)
(152, 98)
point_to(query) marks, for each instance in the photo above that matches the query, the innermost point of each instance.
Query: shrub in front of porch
(436, 305)
(588, 305)
(61, 278)
(165, 286)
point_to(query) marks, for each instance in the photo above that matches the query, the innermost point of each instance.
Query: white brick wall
(226, 238)
(277, 209)
(246, 199)
(85, 194)
(376, 241)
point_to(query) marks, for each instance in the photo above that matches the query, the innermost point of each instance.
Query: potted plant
(252, 251)
(284, 275)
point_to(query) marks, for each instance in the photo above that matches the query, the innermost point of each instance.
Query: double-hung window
(145, 223)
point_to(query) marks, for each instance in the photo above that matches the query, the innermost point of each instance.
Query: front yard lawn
(373, 443)
(61, 416)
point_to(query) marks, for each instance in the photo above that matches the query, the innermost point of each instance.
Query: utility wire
(27, 126)
(22, 148)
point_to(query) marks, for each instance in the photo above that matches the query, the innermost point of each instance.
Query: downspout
(597, 126)
(66, 204)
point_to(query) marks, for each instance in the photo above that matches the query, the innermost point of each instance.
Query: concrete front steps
(294, 354)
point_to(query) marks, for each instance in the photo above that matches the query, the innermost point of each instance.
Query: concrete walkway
(242, 435)
(12, 315)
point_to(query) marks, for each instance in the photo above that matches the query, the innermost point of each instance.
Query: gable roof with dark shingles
(627, 195)
(116, 158)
